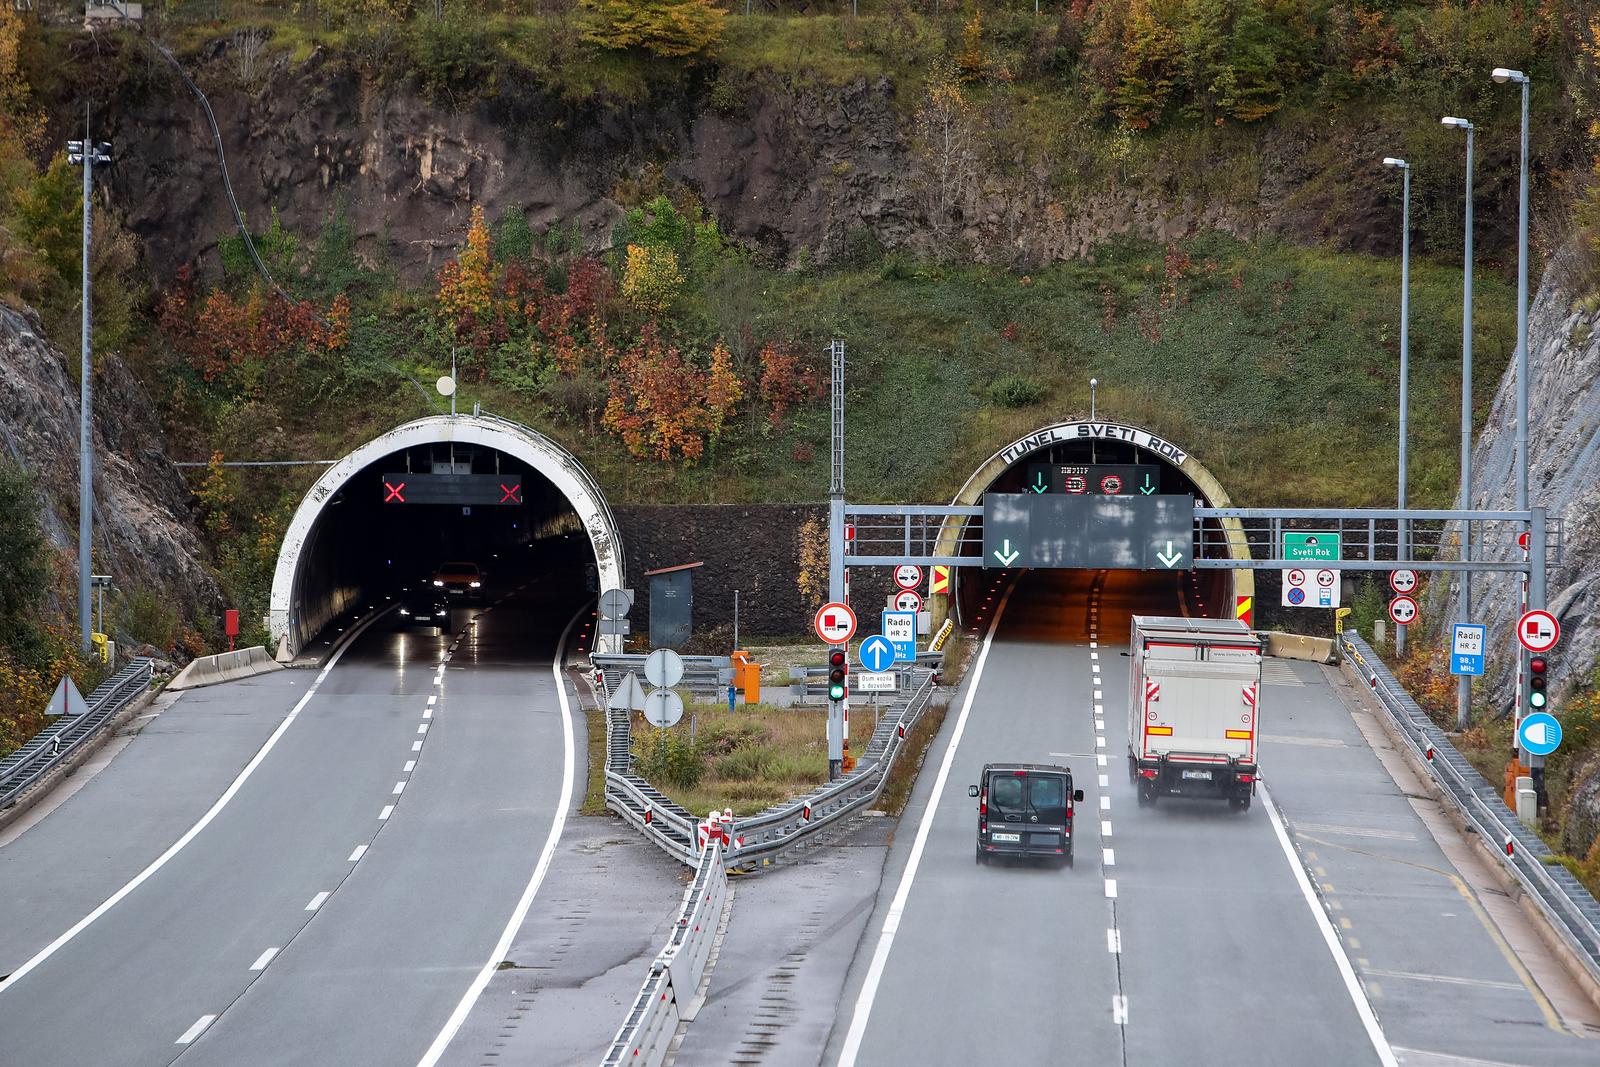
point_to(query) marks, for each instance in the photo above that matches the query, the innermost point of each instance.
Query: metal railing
(1570, 908)
(670, 990)
(46, 750)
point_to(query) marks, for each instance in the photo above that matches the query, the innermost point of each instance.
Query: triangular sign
(66, 700)
(629, 695)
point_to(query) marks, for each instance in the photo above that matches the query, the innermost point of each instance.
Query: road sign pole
(1536, 602)
(836, 539)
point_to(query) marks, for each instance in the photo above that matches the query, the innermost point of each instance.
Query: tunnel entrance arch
(1123, 441)
(298, 613)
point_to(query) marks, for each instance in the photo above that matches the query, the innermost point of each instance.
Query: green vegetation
(746, 760)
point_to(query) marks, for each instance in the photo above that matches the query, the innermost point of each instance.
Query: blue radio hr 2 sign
(1466, 648)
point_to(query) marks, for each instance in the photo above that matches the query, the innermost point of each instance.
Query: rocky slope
(144, 536)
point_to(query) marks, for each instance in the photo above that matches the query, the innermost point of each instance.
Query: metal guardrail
(47, 749)
(669, 992)
(1570, 908)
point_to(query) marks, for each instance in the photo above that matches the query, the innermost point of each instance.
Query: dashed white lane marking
(433, 700)
(1111, 888)
(1105, 803)
(1094, 655)
(205, 820)
(317, 901)
(1102, 758)
(438, 679)
(1105, 781)
(416, 746)
(410, 766)
(1100, 725)
(196, 1030)
(422, 727)
(897, 906)
(427, 713)
(361, 850)
(263, 959)
(1330, 937)
(1119, 1011)
(1113, 940)
(1094, 644)
(1099, 740)
(1099, 694)
(399, 787)
(1108, 857)
(1105, 827)
(388, 810)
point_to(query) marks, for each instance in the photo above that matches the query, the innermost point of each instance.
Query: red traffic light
(1538, 665)
(836, 658)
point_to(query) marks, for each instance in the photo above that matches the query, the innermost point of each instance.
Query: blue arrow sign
(876, 653)
(1539, 733)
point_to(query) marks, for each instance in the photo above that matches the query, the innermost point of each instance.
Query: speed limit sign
(1403, 581)
(1403, 610)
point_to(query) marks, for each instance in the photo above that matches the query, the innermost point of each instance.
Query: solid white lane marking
(1105, 803)
(1113, 940)
(196, 1030)
(1482, 983)
(263, 959)
(1341, 959)
(520, 912)
(205, 820)
(1105, 780)
(422, 727)
(361, 850)
(317, 901)
(1119, 1011)
(1105, 827)
(897, 906)
(1111, 888)
(399, 787)
(388, 810)
(416, 746)
(1108, 857)
(411, 765)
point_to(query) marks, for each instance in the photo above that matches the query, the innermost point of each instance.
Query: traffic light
(1538, 682)
(836, 673)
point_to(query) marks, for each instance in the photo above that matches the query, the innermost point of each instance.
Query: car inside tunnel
(1105, 468)
(415, 524)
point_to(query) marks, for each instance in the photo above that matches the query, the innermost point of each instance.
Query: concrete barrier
(225, 667)
(1299, 646)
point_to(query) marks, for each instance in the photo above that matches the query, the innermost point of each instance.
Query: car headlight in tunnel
(475, 585)
(438, 582)
(405, 611)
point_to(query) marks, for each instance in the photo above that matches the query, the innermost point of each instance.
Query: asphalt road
(340, 903)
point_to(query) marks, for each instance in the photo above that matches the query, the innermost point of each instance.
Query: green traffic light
(835, 692)
(1536, 699)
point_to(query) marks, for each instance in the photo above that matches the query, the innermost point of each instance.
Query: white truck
(1193, 708)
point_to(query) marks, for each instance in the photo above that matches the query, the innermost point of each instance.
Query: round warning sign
(1403, 581)
(1296, 577)
(1538, 631)
(907, 600)
(1076, 483)
(1111, 485)
(1325, 578)
(908, 576)
(1403, 610)
(835, 623)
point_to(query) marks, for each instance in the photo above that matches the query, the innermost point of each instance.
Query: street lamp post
(87, 153)
(1503, 75)
(1464, 612)
(1402, 541)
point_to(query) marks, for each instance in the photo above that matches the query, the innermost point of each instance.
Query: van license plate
(1005, 837)
(1204, 776)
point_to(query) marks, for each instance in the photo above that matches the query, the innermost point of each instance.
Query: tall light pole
(87, 153)
(1464, 612)
(1402, 541)
(1502, 75)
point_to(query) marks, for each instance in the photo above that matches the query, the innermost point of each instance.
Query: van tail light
(983, 803)
(1147, 773)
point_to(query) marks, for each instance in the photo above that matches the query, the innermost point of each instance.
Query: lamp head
(1391, 161)
(1460, 124)
(1503, 75)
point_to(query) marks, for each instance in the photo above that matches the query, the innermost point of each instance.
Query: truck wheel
(1147, 796)
(1239, 803)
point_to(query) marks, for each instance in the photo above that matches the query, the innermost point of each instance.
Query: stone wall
(754, 548)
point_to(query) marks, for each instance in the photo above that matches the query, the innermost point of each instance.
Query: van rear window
(1017, 797)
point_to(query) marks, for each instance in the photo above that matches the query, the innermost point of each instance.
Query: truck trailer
(1194, 709)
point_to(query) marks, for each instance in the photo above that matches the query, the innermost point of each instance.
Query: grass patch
(903, 775)
(594, 794)
(747, 760)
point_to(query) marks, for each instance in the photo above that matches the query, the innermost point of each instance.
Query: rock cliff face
(796, 169)
(143, 533)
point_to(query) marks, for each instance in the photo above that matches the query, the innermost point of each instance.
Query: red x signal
(392, 492)
(511, 494)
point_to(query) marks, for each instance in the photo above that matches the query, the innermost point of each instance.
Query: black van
(1025, 809)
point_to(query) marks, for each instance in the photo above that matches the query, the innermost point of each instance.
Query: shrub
(665, 757)
(1015, 391)
(668, 28)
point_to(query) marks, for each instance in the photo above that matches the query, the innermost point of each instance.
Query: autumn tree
(651, 280)
(1149, 67)
(672, 29)
(972, 61)
(788, 379)
(466, 283)
(663, 405)
(947, 146)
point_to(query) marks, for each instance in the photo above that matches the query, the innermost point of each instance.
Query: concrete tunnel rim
(542, 454)
(1167, 452)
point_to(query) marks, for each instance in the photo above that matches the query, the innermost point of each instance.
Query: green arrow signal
(1147, 488)
(1006, 554)
(1039, 485)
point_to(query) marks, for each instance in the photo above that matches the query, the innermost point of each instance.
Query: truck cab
(1025, 810)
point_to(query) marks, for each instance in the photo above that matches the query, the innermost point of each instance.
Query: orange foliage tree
(662, 404)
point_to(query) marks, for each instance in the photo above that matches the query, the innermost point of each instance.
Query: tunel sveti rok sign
(1093, 431)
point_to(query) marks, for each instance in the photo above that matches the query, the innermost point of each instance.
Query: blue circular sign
(1296, 596)
(876, 653)
(1539, 733)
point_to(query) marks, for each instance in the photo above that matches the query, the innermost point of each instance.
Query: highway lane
(1178, 938)
(271, 872)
